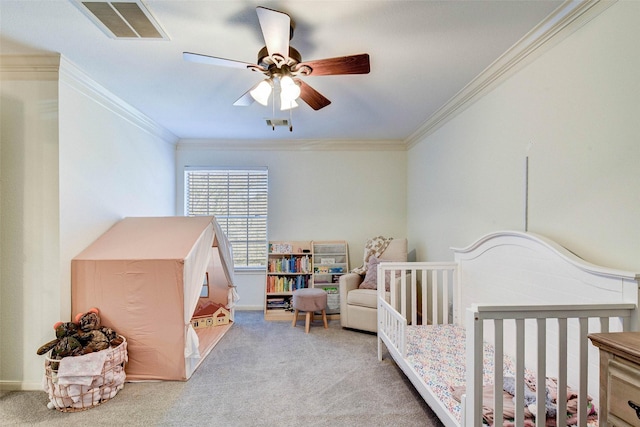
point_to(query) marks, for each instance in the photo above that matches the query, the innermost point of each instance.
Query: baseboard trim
(249, 308)
(20, 386)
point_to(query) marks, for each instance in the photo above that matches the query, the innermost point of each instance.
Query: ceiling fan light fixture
(289, 90)
(287, 105)
(262, 92)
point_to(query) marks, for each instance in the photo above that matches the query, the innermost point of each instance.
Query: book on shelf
(277, 284)
(276, 304)
(293, 264)
(279, 303)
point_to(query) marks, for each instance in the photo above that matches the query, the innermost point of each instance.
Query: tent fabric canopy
(146, 276)
(225, 252)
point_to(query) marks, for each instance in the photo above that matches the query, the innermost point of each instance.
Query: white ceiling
(422, 53)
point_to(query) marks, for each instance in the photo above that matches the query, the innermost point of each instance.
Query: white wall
(75, 160)
(578, 105)
(315, 195)
(112, 165)
(29, 237)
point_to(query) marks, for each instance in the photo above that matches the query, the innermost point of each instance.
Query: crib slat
(399, 330)
(414, 297)
(582, 388)
(434, 296)
(425, 294)
(561, 404)
(541, 375)
(519, 397)
(604, 324)
(403, 300)
(474, 350)
(392, 286)
(498, 381)
(445, 297)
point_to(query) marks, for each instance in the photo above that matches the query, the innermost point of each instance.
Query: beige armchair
(358, 307)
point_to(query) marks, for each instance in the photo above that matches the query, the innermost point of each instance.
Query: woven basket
(79, 397)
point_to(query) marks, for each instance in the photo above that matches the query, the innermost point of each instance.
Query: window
(238, 200)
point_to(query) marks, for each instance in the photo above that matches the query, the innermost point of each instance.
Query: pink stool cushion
(309, 299)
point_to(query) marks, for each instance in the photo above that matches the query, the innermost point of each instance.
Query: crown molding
(73, 76)
(29, 67)
(291, 145)
(566, 19)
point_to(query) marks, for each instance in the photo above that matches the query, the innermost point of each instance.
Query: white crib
(526, 298)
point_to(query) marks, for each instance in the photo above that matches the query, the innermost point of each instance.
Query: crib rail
(419, 293)
(544, 323)
(391, 328)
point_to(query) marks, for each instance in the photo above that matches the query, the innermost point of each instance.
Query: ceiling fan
(283, 65)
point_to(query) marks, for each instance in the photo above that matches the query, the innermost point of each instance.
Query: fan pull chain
(273, 109)
(290, 120)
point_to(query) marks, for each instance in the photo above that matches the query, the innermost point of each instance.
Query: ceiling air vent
(123, 19)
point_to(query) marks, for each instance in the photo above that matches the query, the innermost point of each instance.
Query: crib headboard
(512, 267)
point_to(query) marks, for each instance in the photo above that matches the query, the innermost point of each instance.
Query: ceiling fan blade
(353, 64)
(311, 96)
(276, 30)
(245, 100)
(212, 60)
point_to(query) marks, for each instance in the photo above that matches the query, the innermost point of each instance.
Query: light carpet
(260, 374)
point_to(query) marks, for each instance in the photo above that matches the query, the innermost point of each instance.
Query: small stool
(309, 300)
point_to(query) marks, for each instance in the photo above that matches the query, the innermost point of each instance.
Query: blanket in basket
(76, 383)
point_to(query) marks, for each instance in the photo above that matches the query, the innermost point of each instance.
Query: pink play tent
(146, 276)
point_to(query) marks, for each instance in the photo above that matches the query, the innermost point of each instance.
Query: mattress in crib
(437, 355)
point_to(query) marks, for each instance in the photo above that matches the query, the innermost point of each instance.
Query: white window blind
(238, 200)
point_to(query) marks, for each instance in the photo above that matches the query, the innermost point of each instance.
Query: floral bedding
(437, 354)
